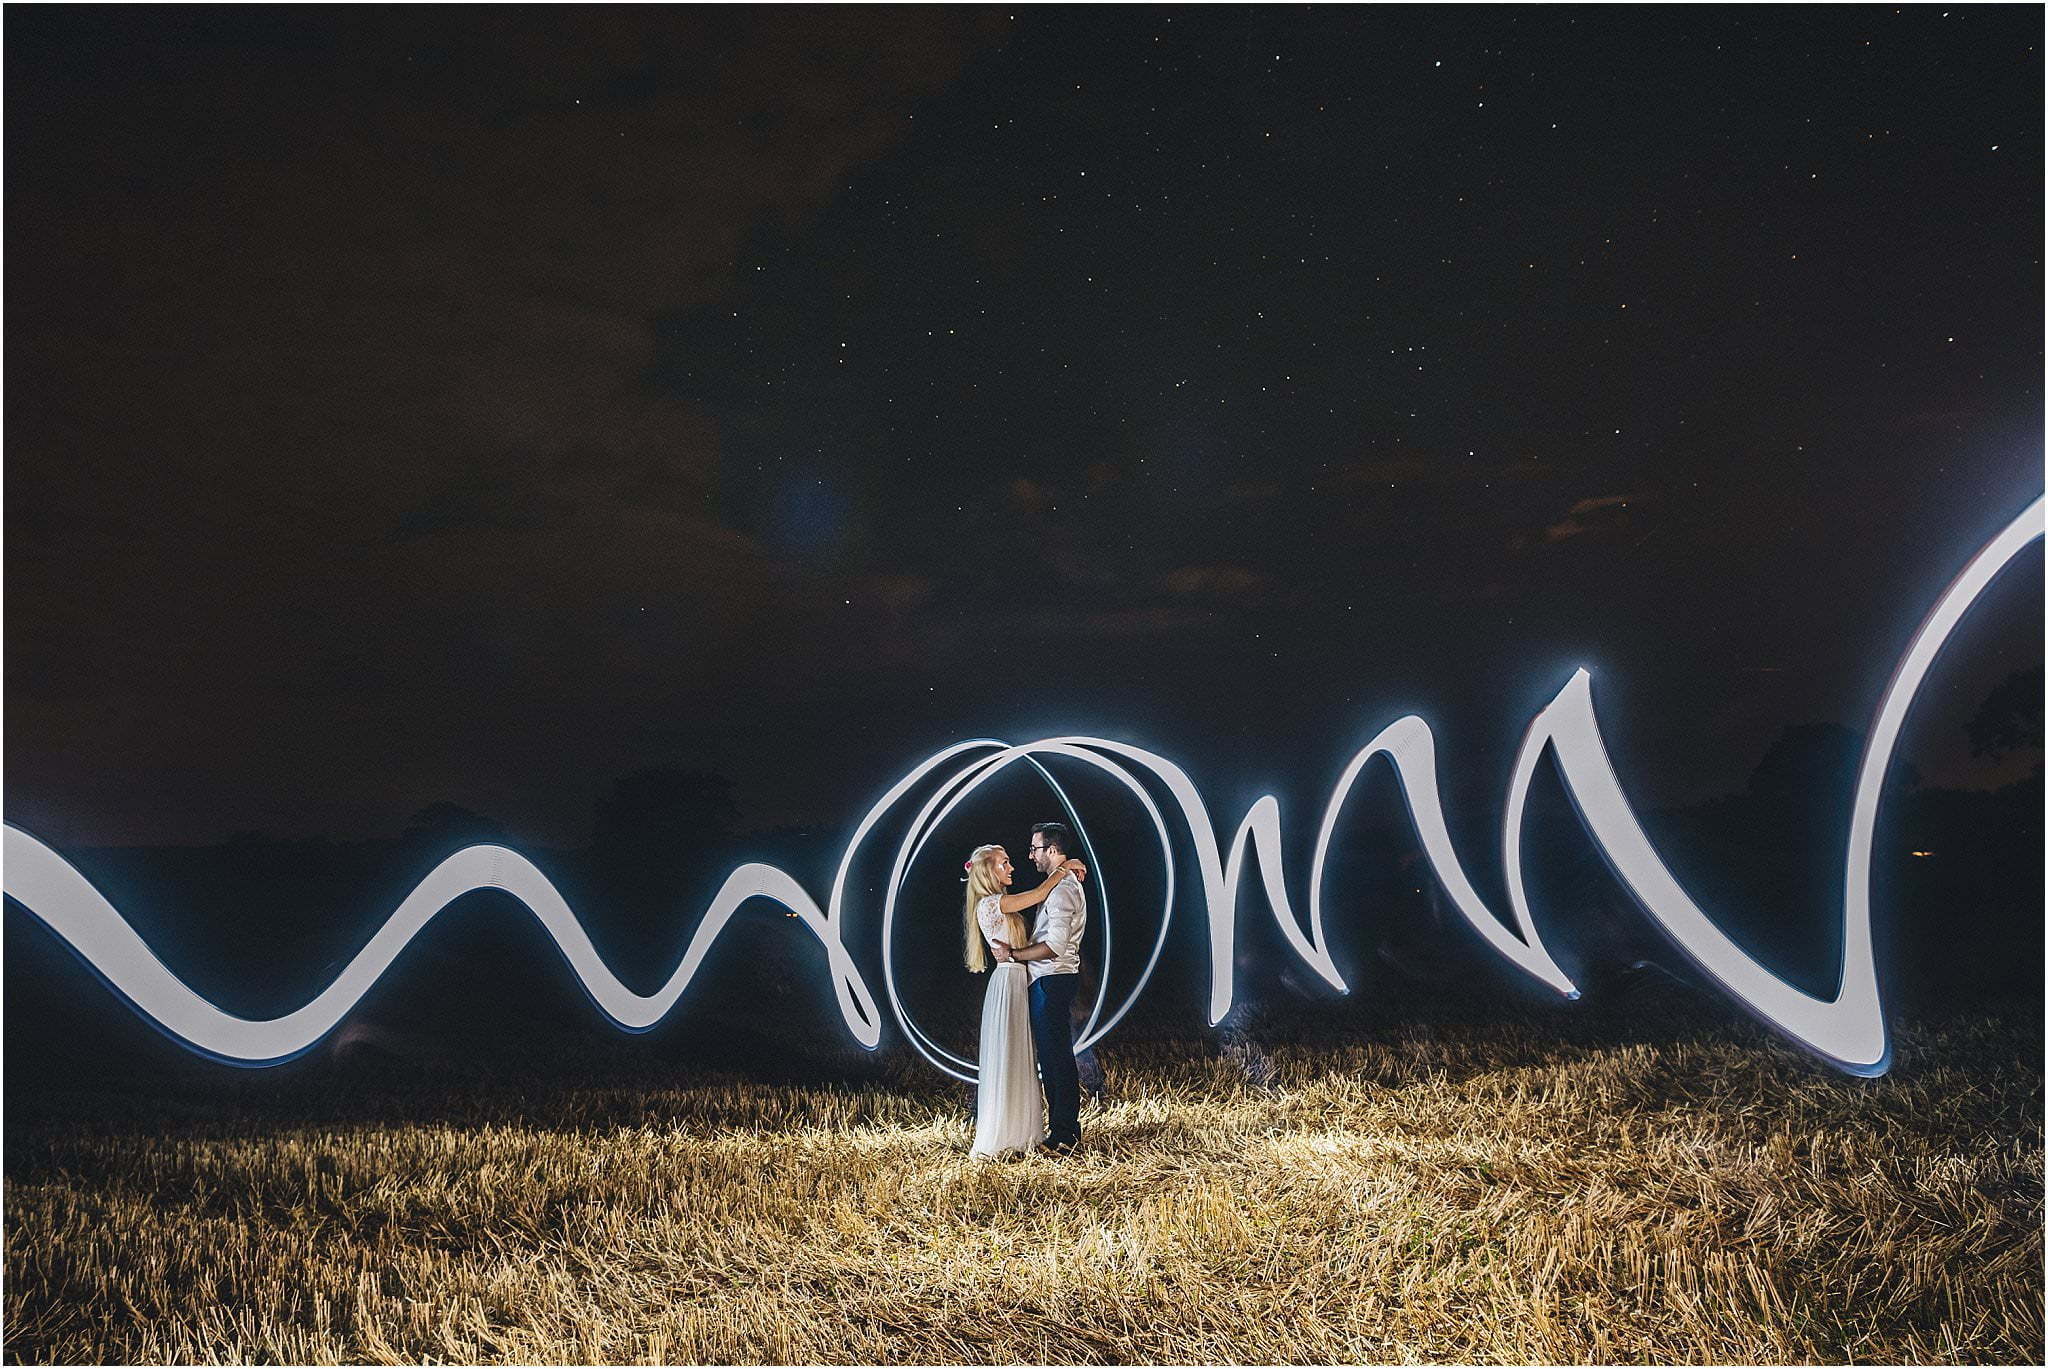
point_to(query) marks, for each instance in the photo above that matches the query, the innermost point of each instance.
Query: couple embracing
(1027, 1024)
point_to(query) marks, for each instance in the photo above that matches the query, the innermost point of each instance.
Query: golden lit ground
(1479, 1195)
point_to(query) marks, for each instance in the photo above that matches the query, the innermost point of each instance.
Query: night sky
(480, 405)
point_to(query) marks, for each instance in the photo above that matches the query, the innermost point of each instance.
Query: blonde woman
(1009, 1117)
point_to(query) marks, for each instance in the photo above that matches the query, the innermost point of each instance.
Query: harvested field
(1484, 1194)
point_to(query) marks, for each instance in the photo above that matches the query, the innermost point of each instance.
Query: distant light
(1923, 853)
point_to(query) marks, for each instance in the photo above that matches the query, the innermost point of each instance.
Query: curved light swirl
(65, 901)
(48, 886)
(949, 796)
(1847, 1030)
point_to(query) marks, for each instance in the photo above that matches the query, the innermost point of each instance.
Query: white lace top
(989, 914)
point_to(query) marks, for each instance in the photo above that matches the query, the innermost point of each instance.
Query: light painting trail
(1847, 1030)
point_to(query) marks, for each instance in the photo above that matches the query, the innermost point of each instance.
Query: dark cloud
(1612, 517)
(1150, 620)
(447, 404)
(1028, 496)
(1224, 580)
(342, 355)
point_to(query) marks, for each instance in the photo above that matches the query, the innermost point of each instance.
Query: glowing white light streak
(934, 812)
(47, 885)
(1409, 746)
(1848, 1029)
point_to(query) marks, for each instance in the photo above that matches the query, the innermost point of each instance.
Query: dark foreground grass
(1479, 1194)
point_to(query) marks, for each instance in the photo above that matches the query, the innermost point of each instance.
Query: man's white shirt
(1062, 919)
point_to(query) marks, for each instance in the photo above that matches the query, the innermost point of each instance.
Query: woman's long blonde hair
(981, 882)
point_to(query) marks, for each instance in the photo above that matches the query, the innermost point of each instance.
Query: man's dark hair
(1055, 834)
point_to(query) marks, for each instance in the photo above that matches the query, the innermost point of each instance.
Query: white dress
(1009, 1113)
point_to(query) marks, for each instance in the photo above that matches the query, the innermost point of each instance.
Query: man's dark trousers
(1052, 1032)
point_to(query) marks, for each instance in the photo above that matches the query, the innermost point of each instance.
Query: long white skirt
(1009, 1113)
